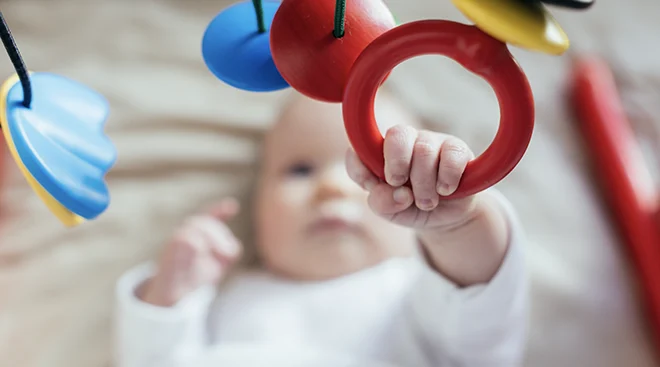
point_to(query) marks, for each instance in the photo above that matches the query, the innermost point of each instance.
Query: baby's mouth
(337, 218)
(333, 225)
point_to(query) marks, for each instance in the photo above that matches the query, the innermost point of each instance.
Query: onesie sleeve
(152, 336)
(480, 325)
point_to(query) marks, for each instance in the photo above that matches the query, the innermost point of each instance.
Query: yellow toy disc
(67, 217)
(525, 24)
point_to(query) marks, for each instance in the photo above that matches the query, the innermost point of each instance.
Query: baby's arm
(147, 335)
(469, 306)
(472, 321)
(472, 250)
(162, 310)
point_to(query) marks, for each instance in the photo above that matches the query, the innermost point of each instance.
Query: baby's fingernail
(398, 180)
(425, 204)
(370, 184)
(402, 195)
(445, 189)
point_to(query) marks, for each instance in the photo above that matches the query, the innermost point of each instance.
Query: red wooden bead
(306, 53)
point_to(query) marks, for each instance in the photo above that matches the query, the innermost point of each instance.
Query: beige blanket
(185, 138)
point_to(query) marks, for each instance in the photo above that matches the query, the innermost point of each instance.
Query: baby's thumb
(225, 209)
(387, 200)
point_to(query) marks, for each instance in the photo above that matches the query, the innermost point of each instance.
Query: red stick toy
(627, 182)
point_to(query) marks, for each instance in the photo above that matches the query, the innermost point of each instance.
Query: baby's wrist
(452, 233)
(154, 292)
(471, 250)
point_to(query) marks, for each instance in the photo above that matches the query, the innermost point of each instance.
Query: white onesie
(401, 312)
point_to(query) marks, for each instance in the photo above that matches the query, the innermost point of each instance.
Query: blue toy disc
(235, 51)
(61, 141)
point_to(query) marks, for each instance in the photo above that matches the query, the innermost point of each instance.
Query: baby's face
(312, 221)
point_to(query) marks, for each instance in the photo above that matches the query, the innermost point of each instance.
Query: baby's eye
(300, 169)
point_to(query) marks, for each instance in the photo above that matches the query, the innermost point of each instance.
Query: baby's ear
(225, 209)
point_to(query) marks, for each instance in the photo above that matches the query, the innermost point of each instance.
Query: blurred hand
(434, 163)
(200, 253)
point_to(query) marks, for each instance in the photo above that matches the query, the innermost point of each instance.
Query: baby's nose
(335, 182)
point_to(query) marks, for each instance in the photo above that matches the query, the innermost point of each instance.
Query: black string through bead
(340, 19)
(16, 60)
(259, 10)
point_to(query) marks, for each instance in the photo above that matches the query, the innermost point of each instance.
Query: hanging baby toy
(341, 51)
(53, 128)
(326, 49)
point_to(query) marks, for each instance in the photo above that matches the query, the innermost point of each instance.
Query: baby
(349, 264)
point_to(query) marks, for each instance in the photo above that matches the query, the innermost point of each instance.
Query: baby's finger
(225, 209)
(189, 242)
(424, 171)
(398, 152)
(358, 172)
(454, 157)
(386, 200)
(220, 241)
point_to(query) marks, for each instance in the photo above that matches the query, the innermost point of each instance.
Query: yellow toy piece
(525, 24)
(67, 217)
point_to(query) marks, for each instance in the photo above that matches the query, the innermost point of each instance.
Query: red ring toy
(477, 52)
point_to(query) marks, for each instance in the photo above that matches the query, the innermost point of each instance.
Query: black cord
(16, 60)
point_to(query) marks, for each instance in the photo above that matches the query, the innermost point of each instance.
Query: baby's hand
(199, 254)
(433, 162)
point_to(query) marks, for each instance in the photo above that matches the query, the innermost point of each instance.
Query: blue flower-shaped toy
(59, 143)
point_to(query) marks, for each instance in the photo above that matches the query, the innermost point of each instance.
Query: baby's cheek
(289, 204)
(292, 193)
